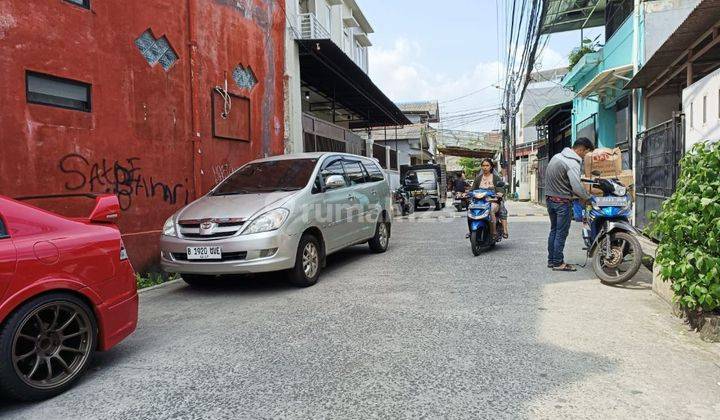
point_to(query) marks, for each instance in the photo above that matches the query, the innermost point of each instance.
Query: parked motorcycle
(461, 201)
(403, 201)
(478, 214)
(609, 236)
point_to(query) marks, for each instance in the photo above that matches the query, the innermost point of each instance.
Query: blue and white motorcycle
(609, 236)
(479, 221)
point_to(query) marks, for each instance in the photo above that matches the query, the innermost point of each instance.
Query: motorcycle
(610, 239)
(403, 201)
(478, 214)
(461, 201)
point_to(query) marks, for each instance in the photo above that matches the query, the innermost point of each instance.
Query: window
(586, 128)
(3, 231)
(268, 176)
(355, 172)
(374, 173)
(81, 3)
(334, 167)
(56, 91)
(692, 114)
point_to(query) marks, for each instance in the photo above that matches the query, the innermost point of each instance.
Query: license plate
(204, 253)
(611, 201)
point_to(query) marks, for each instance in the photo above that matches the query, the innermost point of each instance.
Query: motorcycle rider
(459, 185)
(488, 179)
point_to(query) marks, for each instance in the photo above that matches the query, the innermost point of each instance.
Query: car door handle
(351, 197)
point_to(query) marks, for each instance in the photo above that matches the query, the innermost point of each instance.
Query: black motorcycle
(461, 201)
(403, 201)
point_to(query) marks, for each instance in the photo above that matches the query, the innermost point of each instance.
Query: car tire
(200, 281)
(77, 331)
(380, 242)
(308, 262)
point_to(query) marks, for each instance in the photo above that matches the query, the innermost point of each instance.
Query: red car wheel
(45, 346)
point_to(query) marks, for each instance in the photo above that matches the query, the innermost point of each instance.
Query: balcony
(310, 28)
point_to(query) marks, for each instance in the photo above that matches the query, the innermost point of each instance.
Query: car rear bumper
(245, 254)
(117, 320)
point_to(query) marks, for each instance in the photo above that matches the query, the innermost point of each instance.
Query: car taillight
(123, 251)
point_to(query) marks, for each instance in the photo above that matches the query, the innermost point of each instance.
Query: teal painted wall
(618, 51)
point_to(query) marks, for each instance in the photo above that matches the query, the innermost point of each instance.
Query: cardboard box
(607, 161)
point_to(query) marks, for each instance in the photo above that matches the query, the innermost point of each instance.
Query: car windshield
(426, 179)
(270, 176)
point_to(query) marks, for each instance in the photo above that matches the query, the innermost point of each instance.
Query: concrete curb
(159, 286)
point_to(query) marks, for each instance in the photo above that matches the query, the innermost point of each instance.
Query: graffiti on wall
(222, 171)
(125, 178)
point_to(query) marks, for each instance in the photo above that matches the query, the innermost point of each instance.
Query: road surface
(424, 330)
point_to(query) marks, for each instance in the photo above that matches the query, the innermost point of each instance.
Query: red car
(66, 290)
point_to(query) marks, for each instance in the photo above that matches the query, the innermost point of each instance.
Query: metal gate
(542, 166)
(660, 149)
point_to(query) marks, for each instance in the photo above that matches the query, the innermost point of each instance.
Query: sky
(426, 50)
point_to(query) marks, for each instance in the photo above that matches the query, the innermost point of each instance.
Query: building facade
(154, 101)
(629, 93)
(329, 95)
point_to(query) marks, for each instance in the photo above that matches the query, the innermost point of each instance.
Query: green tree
(471, 166)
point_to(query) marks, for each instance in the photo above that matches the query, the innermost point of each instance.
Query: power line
(466, 95)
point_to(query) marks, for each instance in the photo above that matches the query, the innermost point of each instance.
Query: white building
(328, 91)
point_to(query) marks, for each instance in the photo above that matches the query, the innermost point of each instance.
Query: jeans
(560, 219)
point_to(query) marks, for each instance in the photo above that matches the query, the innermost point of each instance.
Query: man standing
(562, 182)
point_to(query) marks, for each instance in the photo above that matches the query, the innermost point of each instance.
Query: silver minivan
(286, 212)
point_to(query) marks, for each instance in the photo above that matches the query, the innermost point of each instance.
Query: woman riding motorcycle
(488, 179)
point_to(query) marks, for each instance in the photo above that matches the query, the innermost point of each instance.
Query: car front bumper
(242, 254)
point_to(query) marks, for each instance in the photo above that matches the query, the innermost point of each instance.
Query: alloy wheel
(52, 344)
(310, 260)
(383, 235)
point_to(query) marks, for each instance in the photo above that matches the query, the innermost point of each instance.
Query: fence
(658, 166)
(379, 153)
(394, 160)
(542, 163)
(323, 136)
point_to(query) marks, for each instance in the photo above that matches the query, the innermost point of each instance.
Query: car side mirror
(334, 182)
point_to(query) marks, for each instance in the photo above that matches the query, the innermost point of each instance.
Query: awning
(329, 71)
(605, 80)
(581, 69)
(570, 15)
(545, 112)
(665, 67)
(471, 153)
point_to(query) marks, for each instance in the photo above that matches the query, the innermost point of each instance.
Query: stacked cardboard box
(608, 162)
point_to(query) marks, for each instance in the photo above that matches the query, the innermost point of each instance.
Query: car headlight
(271, 220)
(169, 228)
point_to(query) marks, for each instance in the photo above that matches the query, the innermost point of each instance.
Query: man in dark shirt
(459, 185)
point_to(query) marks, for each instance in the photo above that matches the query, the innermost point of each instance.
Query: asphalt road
(424, 330)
